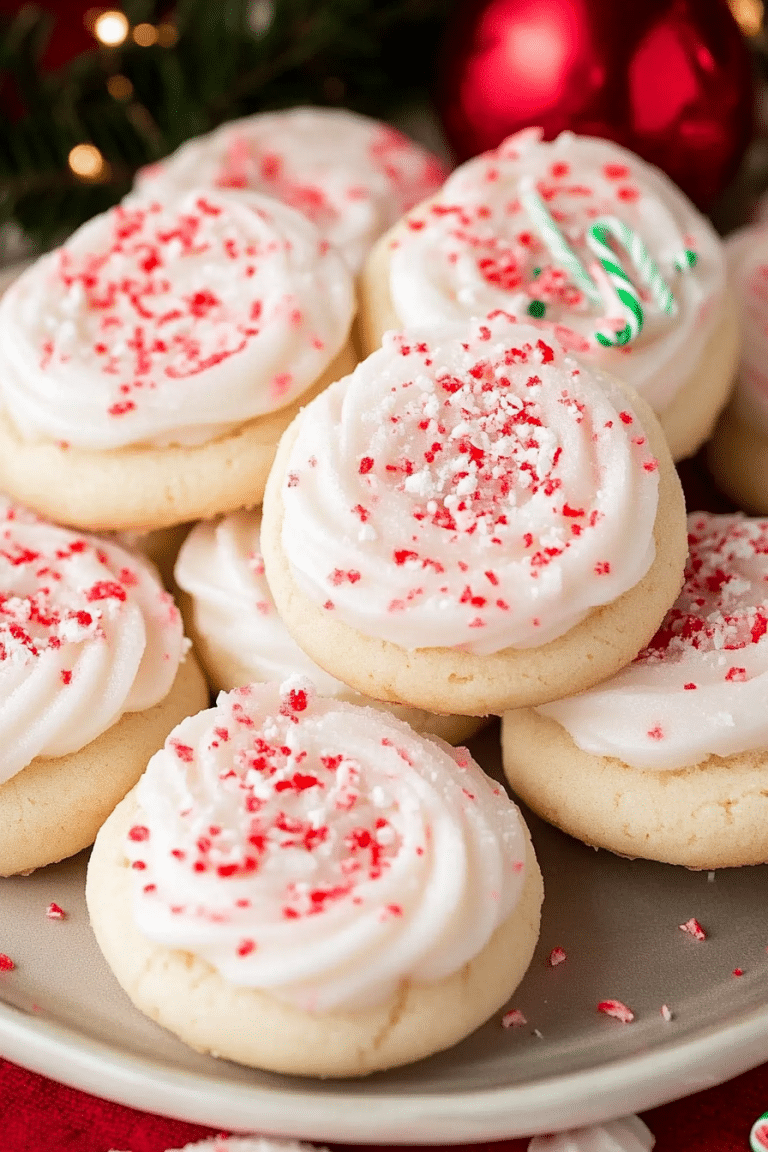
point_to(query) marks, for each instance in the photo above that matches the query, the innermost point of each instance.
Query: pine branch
(368, 54)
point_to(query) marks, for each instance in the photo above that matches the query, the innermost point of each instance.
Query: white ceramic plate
(62, 1013)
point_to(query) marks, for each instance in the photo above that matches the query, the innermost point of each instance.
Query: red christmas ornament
(669, 79)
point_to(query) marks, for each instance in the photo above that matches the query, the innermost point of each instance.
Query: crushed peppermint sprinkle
(6, 964)
(738, 972)
(54, 912)
(616, 1009)
(556, 956)
(693, 928)
(666, 1013)
(513, 1019)
(723, 606)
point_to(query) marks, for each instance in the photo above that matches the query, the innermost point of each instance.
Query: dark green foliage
(372, 55)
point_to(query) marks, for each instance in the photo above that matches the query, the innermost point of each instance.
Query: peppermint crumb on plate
(616, 1009)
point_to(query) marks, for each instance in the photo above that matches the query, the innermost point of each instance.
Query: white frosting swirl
(171, 324)
(352, 176)
(320, 851)
(701, 685)
(221, 568)
(747, 255)
(474, 249)
(87, 633)
(484, 492)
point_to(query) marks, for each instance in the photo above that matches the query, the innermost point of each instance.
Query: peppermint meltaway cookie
(92, 679)
(668, 760)
(230, 615)
(352, 176)
(586, 236)
(738, 452)
(473, 523)
(307, 886)
(148, 367)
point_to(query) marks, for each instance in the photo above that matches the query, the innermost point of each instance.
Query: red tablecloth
(37, 1115)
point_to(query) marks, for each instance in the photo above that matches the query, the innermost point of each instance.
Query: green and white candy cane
(559, 248)
(619, 283)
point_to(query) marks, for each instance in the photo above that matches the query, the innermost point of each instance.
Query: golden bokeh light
(145, 35)
(748, 15)
(111, 28)
(167, 35)
(87, 163)
(119, 87)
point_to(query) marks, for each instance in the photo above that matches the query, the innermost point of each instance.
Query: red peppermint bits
(513, 1019)
(138, 833)
(617, 1010)
(6, 964)
(54, 912)
(694, 929)
(556, 956)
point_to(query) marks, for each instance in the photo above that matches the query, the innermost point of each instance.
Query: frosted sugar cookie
(148, 367)
(473, 524)
(230, 615)
(352, 176)
(738, 452)
(92, 679)
(669, 759)
(588, 238)
(307, 886)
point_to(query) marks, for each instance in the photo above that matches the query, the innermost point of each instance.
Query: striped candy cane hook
(622, 288)
(558, 246)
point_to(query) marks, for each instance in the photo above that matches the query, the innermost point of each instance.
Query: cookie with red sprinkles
(667, 760)
(590, 241)
(308, 886)
(150, 364)
(94, 673)
(473, 521)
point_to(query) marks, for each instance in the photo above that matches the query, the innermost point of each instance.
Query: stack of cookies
(460, 402)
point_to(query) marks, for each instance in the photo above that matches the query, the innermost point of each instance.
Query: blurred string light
(145, 35)
(88, 164)
(111, 28)
(748, 15)
(119, 87)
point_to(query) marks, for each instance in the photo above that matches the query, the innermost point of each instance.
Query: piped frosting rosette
(86, 634)
(478, 493)
(513, 229)
(352, 176)
(171, 323)
(221, 569)
(701, 686)
(319, 851)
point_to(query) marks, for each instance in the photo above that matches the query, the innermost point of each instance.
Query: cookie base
(54, 807)
(711, 815)
(145, 488)
(225, 672)
(191, 999)
(737, 457)
(449, 680)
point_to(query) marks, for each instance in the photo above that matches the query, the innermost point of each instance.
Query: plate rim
(589, 1096)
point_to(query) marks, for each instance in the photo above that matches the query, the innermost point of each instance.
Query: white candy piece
(629, 1134)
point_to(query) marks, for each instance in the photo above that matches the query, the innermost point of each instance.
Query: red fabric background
(37, 1115)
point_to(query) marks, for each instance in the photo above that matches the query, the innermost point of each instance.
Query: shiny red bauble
(669, 79)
